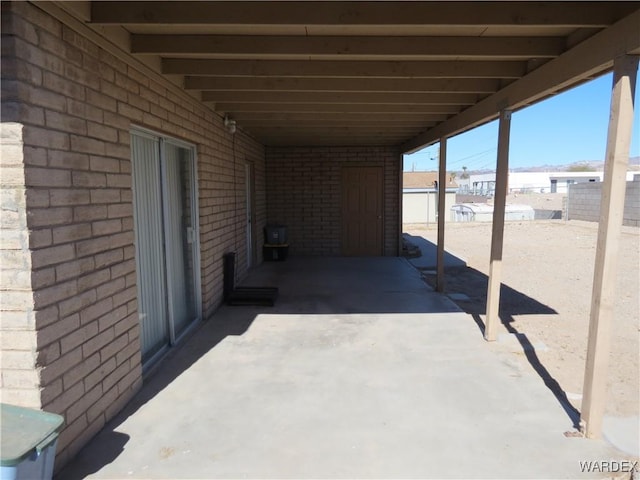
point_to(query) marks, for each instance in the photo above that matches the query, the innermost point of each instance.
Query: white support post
(611, 213)
(495, 267)
(442, 190)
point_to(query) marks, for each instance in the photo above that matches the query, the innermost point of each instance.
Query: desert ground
(546, 298)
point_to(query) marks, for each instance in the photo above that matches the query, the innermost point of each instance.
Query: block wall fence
(69, 321)
(583, 203)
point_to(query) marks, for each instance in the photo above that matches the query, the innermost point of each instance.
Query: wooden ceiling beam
(377, 123)
(398, 85)
(587, 59)
(337, 69)
(390, 98)
(333, 117)
(337, 129)
(392, 127)
(577, 14)
(404, 130)
(348, 47)
(328, 142)
(442, 110)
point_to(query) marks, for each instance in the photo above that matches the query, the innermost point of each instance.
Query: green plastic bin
(29, 440)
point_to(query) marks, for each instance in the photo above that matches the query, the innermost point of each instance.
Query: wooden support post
(400, 203)
(499, 200)
(442, 190)
(611, 213)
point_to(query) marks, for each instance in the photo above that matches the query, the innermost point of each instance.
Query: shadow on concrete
(205, 337)
(316, 286)
(349, 285)
(427, 261)
(467, 287)
(111, 446)
(550, 382)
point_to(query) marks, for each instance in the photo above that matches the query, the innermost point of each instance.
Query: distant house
(535, 182)
(420, 197)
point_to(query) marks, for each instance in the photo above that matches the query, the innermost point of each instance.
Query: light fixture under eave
(230, 124)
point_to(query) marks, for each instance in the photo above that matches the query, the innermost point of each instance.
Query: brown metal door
(362, 211)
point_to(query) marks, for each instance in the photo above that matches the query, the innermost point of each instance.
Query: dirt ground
(546, 298)
(543, 201)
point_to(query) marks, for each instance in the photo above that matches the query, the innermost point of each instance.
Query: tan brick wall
(304, 193)
(19, 380)
(77, 103)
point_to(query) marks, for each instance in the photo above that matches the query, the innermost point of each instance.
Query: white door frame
(194, 239)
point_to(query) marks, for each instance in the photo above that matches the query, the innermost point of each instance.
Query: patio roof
(369, 73)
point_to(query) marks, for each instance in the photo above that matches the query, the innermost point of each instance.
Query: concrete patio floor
(359, 371)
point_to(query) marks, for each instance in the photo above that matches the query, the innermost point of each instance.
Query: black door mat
(263, 296)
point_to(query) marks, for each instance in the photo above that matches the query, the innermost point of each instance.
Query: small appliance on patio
(275, 246)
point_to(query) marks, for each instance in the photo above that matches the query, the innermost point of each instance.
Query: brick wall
(583, 203)
(70, 333)
(304, 193)
(19, 381)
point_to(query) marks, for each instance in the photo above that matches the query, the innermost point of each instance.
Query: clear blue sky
(567, 128)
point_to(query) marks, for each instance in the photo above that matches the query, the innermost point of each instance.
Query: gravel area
(546, 298)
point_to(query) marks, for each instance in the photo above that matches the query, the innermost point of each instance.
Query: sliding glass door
(167, 253)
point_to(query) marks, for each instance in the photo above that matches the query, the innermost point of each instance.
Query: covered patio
(142, 141)
(359, 371)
